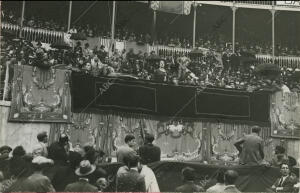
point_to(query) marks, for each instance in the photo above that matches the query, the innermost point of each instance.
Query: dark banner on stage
(145, 97)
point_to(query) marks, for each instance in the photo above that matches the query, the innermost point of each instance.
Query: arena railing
(281, 61)
(252, 2)
(34, 34)
(4, 86)
(172, 50)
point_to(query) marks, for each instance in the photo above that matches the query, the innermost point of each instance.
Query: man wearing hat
(4, 159)
(83, 185)
(4, 152)
(41, 147)
(149, 153)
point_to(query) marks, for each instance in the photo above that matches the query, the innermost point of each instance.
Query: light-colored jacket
(150, 179)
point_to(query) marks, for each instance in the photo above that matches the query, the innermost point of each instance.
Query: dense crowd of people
(204, 69)
(62, 166)
(208, 41)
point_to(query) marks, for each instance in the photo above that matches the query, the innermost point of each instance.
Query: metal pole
(22, 18)
(113, 25)
(70, 14)
(233, 28)
(194, 26)
(273, 34)
(154, 27)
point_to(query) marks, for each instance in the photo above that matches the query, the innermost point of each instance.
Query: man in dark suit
(230, 177)
(57, 151)
(225, 60)
(128, 178)
(189, 185)
(287, 180)
(83, 185)
(148, 152)
(234, 61)
(251, 148)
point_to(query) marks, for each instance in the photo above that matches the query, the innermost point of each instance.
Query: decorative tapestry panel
(40, 95)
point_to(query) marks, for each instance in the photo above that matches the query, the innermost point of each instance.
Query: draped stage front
(189, 123)
(106, 109)
(168, 174)
(199, 140)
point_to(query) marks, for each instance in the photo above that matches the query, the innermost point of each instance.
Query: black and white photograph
(150, 96)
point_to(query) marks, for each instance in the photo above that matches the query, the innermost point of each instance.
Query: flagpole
(113, 26)
(233, 27)
(273, 32)
(22, 18)
(69, 18)
(194, 25)
(154, 28)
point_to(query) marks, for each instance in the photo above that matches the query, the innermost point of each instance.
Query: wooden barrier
(34, 34)
(281, 61)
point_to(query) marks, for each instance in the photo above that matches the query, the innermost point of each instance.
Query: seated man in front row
(287, 180)
(251, 148)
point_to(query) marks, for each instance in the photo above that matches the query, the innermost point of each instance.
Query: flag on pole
(177, 7)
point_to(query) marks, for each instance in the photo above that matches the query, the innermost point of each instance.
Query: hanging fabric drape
(202, 139)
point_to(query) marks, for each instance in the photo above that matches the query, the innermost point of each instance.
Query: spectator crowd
(209, 68)
(209, 41)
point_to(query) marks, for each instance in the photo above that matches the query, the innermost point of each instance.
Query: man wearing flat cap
(83, 185)
(41, 147)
